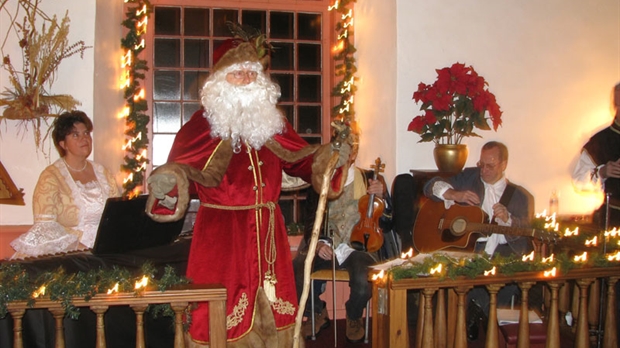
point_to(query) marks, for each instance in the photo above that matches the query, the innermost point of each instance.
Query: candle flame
(39, 292)
(547, 259)
(490, 272)
(614, 257)
(613, 233)
(378, 275)
(550, 273)
(334, 7)
(569, 233)
(529, 256)
(142, 282)
(114, 289)
(437, 269)
(408, 254)
(581, 257)
(592, 241)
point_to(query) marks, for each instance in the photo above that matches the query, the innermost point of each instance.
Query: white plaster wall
(375, 100)
(551, 64)
(17, 150)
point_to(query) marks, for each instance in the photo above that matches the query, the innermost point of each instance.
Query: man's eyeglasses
(241, 74)
(487, 166)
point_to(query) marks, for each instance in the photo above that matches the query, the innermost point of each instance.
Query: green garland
(17, 285)
(136, 120)
(345, 68)
(476, 266)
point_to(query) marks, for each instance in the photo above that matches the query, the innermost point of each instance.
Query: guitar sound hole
(458, 226)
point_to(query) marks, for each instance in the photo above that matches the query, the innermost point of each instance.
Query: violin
(366, 234)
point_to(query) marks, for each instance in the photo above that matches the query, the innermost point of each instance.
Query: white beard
(242, 113)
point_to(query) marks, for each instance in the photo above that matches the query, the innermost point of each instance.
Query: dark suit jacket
(520, 206)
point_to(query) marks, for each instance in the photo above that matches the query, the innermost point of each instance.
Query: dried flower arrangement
(28, 99)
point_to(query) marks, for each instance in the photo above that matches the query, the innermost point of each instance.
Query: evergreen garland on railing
(16, 284)
(136, 120)
(345, 68)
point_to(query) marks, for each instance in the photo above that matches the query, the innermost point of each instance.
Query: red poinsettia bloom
(460, 96)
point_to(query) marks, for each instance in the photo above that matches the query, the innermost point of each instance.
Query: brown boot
(355, 330)
(321, 321)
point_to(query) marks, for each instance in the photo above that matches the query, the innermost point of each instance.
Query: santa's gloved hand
(345, 153)
(161, 184)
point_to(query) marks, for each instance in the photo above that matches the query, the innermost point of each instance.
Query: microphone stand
(599, 333)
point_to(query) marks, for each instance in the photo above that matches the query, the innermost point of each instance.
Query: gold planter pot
(450, 158)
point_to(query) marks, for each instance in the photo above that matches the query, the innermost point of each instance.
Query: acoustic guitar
(437, 228)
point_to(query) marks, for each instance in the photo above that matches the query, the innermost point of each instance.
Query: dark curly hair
(64, 125)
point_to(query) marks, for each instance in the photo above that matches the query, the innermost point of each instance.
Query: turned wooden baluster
(610, 338)
(492, 330)
(440, 319)
(460, 335)
(59, 314)
(564, 300)
(100, 311)
(523, 338)
(178, 308)
(18, 315)
(581, 335)
(139, 310)
(451, 322)
(594, 299)
(427, 333)
(553, 320)
(420, 324)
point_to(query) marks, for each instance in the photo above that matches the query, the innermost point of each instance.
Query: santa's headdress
(247, 45)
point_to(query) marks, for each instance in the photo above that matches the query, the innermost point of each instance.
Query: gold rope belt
(270, 278)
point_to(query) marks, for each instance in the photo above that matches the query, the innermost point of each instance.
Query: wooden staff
(327, 175)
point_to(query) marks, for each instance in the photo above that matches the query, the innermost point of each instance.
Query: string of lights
(134, 112)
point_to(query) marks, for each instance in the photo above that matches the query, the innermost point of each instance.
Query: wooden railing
(179, 299)
(438, 329)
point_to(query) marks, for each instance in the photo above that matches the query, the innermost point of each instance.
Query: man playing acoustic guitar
(506, 204)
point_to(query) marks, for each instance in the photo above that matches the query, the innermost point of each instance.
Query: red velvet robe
(228, 246)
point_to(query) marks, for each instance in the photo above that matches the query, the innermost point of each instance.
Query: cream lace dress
(65, 211)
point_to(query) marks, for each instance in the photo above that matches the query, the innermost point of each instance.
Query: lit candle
(378, 275)
(529, 257)
(436, 269)
(142, 282)
(547, 259)
(490, 272)
(114, 289)
(581, 257)
(550, 273)
(407, 255)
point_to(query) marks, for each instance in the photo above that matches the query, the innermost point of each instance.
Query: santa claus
(232, 154)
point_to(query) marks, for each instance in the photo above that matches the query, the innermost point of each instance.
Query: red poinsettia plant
(454, 106)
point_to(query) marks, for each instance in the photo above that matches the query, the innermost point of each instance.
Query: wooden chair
(340, 276)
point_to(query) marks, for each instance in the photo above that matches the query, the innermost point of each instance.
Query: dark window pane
(309, 57)
(286, 86)
(196, 54)
(309, 120)
(309, 87)
(166, 117)
(188, 110)
(309, 26)
(196, 22)
(193, 82)
(312, 140)
(282, 56)
(220, 17)
(167, 53)
(167, 21)
(287, 110)
(281, 25)
(167, 85)
(255, 19)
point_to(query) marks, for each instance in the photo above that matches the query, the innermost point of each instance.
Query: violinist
(343, 214)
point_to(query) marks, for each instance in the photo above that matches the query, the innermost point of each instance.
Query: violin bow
(343, 134)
